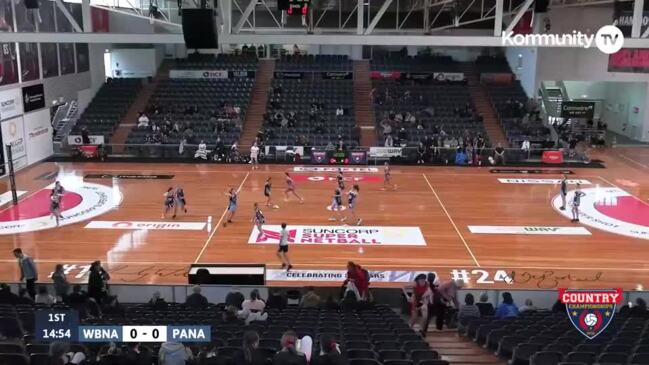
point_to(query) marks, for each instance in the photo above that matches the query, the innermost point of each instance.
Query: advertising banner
(578, 109)
(78, 141)
(337, 75)
(385, 151)
(33, 98)
(198, 74)
(340, 235)
(11, 104)
(38, 133)
(288, 75)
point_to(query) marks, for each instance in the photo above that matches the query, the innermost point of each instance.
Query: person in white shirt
(254, 304)
(525, 146)
(389, 141)
(254, 156)
(282, 251)
(43, 297)
(340, 111)
(202, 151)
(143, 121)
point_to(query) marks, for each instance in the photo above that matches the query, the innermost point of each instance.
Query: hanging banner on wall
(33, 98)
(198, 74)
(578, 109)
(288, 75)
(38, 133)
(11, 104)
(629, 60)
(241, 74)
(78, 141)
(390, 75)
(337, 75)
(624, 21)
(13, 134)
(448, 76)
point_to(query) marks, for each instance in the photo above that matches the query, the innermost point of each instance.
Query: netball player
(180, 200)
(290, 188)
(564, 192)
(282, 251)
(341, 180)
(55, 202)
(254, 156)
(169, 203)
(259, 219)
(576, 200)
(337, 205)
(232, 205)
(268, 191)
(352, 200)
(387, 177)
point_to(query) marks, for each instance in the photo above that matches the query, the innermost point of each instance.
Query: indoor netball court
(492, 228)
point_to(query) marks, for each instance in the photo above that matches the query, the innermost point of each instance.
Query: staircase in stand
(258, 102)
(129, 120)
(363, 105)
(460, 350)
(483, 106)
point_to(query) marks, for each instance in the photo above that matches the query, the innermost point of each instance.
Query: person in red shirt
(357, 280)
(420, 299)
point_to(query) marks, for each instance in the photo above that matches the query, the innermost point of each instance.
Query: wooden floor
(441, 201)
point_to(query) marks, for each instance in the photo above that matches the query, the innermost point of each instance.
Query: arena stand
(437, 103)
(511, 103)
(306, 93)
(195, 110)
(109, 105)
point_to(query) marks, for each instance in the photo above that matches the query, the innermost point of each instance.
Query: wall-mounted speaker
(199, 28)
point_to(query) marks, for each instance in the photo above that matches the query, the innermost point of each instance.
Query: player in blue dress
(290, 188)
(259, 219)
(337, 205)
(341, 180)
(169, 203)
(232, 205)
(576, 201)
(180, 200)
(352, 201)
(387, 177)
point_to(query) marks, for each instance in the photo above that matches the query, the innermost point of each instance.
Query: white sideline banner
(340, 275)
(160, 226)
(340, 235)
(571, 231)
(544, 181)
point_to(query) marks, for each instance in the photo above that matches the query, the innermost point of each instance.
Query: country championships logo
(608, 39)
(590, 311)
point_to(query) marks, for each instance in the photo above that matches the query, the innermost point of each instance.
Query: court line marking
(632, 160)
(325, 266)
(218, 224)
(452, 222)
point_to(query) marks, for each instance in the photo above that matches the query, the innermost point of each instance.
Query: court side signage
(331, 178)
(385, 151)
(335, 169)
(544, 181)
(340, 235)
(570, 231)
(158, 226)
(341, 275)
(129, 177)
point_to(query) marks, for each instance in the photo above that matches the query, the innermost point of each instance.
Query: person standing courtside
(564, 192)
(282, 251)
(28, 271)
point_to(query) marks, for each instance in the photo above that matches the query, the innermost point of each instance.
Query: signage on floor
(79, 203)
(340, 275)
(157, 226)
(6, 197)
(340, 235)
(611, 210)
(129, 177)
(331, 178)
(385, 151)
(532, 171)
(335, 169)
(544, 181)
(575, 231)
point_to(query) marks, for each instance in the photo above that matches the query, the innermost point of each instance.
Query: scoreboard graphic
(63, 326)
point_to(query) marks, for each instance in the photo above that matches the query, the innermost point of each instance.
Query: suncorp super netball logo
(608, 39)
(590, 311)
